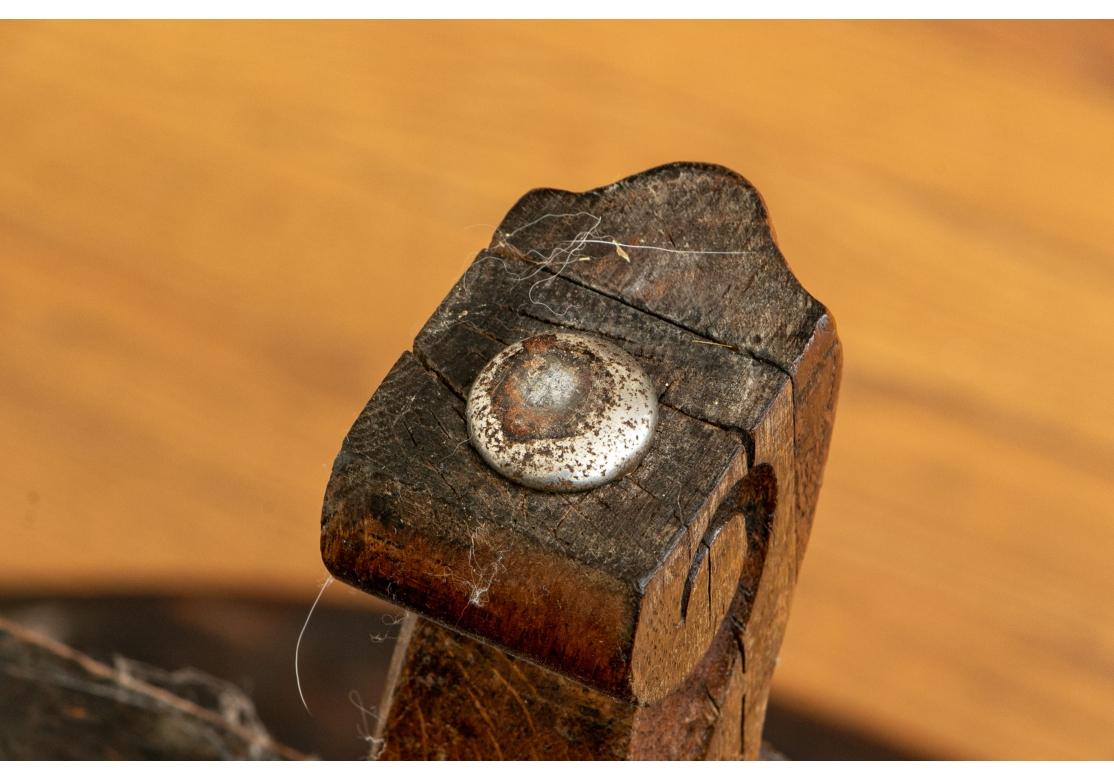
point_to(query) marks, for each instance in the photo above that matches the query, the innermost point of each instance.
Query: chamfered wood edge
(812, 365)
(791, 370)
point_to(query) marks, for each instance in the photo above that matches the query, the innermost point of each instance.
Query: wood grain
(594, 585)
(628, 587)
(215, 239)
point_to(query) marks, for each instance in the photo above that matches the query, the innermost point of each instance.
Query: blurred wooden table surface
(215, 239)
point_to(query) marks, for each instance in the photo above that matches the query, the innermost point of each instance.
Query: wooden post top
(624, 586)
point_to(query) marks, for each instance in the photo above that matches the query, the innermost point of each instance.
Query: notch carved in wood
(641, 618)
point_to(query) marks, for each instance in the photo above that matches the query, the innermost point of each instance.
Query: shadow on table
(343, 663)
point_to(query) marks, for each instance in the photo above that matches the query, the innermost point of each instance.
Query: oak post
(640, 619)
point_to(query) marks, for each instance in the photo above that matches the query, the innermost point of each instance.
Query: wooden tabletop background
(215, 240)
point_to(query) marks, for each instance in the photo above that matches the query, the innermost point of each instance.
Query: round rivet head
(562, 412)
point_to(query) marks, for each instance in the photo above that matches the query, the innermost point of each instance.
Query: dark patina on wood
(641, 618)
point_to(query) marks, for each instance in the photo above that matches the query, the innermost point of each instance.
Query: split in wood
(642, 618)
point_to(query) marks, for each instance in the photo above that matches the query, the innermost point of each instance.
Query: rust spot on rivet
(562, 412)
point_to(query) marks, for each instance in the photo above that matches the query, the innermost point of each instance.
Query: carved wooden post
(640, 619)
